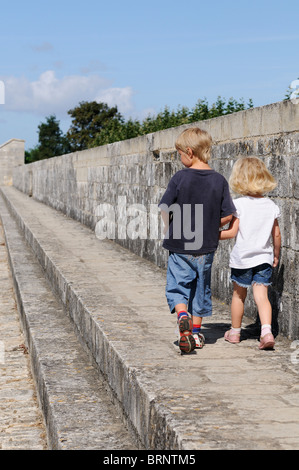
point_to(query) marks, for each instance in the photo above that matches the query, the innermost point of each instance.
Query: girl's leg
(260, 295)
(237, 311)
(237, 305)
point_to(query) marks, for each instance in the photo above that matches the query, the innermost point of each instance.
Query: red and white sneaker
(199, 340)
(186, 341)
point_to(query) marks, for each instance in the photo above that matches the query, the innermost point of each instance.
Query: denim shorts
(260, 274)
(189, 282)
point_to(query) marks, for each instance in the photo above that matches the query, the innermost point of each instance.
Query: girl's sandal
(267, 341)
(232, 337)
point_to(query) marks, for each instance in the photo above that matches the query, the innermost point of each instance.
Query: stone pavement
(221, 397)
(21, 422)
(77, 409)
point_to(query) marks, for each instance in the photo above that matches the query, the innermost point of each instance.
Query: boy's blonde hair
(250, 177)
(197, 140)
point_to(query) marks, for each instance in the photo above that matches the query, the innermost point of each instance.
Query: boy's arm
(232, 230)
(276, 237)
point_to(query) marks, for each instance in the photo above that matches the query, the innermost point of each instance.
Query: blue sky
(140, 56)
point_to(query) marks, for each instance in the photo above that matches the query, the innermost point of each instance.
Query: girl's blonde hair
(197, 140)
(250, 177)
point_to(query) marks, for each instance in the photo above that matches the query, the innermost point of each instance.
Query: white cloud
(117, 96)
(52, 95)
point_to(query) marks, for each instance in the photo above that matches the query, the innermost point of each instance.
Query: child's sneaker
(185, 324)
(199, 340)
(186, 341)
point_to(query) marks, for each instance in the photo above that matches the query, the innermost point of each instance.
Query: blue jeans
(189, 282)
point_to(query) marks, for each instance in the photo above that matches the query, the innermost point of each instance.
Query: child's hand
(275, 262)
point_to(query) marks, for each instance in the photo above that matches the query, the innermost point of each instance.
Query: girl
(252, 258)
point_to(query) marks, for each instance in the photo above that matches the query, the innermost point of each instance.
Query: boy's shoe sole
(185, 325)
(187, 342)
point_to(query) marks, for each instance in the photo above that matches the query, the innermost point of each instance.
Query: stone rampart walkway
(221, 397)
(21, 422)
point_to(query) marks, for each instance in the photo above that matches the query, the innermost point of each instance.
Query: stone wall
(137, 171)
(11, 155)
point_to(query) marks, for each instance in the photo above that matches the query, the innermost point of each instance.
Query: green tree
(200, 111)
(132, 128)
(51, 141)
(88, 120)
(32, 155)
(114, 131)
(250, 104)
(218, 108)
(95, 124)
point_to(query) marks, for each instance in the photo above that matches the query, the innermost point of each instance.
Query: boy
(196, 203)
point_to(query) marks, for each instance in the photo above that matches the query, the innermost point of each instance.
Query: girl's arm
(276, 237)
(232, 230)
(225, 220)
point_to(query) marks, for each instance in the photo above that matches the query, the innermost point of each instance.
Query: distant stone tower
(11, 155)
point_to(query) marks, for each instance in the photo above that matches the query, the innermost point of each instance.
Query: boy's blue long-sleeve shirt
(196, 200)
